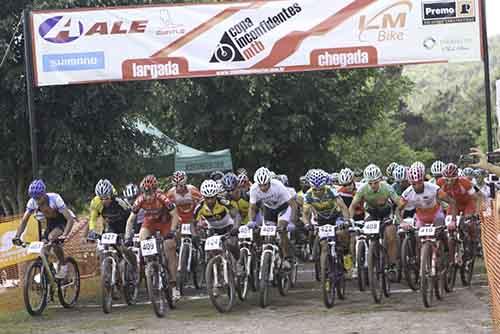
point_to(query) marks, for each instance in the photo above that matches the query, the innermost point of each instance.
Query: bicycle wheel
(254, 272)
(68, 289)
(182, 275)
(375, 271)
(409, 263)
(317, 270)
(131, 283)
(294, 274)
(441, 267)
(36, 288)
(284, 281)
(469, 259)
(243, 279)
(106, 284)
(328, 281)
(155, 288)
(360, 265)
(339, 277)
(264, 280)
(198, 268)
(220, 292)
(427, 280)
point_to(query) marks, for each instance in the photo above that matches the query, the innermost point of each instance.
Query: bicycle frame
(270, 246)
(433, 241)
(188, 242)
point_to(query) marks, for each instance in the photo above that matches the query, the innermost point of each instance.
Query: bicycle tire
(35, 268)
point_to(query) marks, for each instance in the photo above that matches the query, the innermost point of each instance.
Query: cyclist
(130, 194)
(115, 212)
(347, 191)
(218, 215)
(328, 207)
(51, 208)
(236, 196)
(160, 215)
(389, 172)
(244, 183)
(400, 185)
(436, 170)
(185, 196)
(96, 210)
(279, 206)
(379, 198)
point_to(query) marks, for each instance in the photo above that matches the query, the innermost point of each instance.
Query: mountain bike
(191, 260)
(332, 266)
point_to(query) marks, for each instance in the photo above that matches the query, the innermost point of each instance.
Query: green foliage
(381, 144)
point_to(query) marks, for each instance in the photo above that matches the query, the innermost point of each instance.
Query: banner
(10, 254)
(87, 45)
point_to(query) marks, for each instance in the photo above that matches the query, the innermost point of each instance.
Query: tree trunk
(20, 192)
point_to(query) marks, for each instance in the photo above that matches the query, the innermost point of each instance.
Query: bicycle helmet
(418, 164)
(372, 173)
(217, 175)
(209, 188)
(460, 172)
(317, 178)
(179, 178)
(36, 189)
(467, 171)
(243, 179)
(334, 177)
(262, 176)
(346, 176)
(283, 179)
(131, 191)
(450, 170)
(390, 168)
(230, 181)
(149, 183)
(104, 188)
(399, 173)
(437, 168)
(415, 174)
(240, 171)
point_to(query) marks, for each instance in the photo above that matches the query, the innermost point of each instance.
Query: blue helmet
(317, 178)
(36, 189)
(230, 181)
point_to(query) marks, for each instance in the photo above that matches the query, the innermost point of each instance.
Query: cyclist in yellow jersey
(96, 208)
(237, 197)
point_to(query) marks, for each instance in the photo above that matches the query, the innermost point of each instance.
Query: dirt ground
(302, 311)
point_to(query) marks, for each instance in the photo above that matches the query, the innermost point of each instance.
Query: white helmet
(437, 168)
(209, 188)
(399, 173)
(419, 165)
(262, 176)
(390, 168)
(131, 191)
(346, 176)
(372, 173)
(104, 188)
(460, 172)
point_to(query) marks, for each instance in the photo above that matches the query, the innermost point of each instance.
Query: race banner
(87, 45)
(10, 254)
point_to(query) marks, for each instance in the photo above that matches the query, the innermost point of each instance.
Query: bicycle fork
(225, 273)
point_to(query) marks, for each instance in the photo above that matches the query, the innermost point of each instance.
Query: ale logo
(226, 51)
(59, 30)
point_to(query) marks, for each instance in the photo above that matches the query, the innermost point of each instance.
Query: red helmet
(450, 170)
(149, 183)
(415, 174)
(243, 180)
(179, 178)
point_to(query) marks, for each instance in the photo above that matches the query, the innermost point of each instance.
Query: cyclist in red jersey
(160, 214)
(185, 196)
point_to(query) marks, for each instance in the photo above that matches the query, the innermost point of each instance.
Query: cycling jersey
(462, 192)
(242, 204)
(273, 198)
(185, 202)
(52, 213)
(325, 206)
(426, 204)
(377, 199)
(156, 210)
(347, 196)
(115, 215)
(217, 217)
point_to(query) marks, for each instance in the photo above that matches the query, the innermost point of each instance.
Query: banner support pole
(28, 68)
(487, 86)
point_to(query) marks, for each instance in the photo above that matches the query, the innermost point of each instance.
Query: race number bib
(372, 227)
(186, 229)
(109, 238)
(268, 231)
(35, 247)
(326, 231)
(427, 231)
(245, 233)
(213, 243)
(148, 247)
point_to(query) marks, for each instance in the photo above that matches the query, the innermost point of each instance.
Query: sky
(492, 17)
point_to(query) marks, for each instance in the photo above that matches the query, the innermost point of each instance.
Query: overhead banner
(89, 45)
